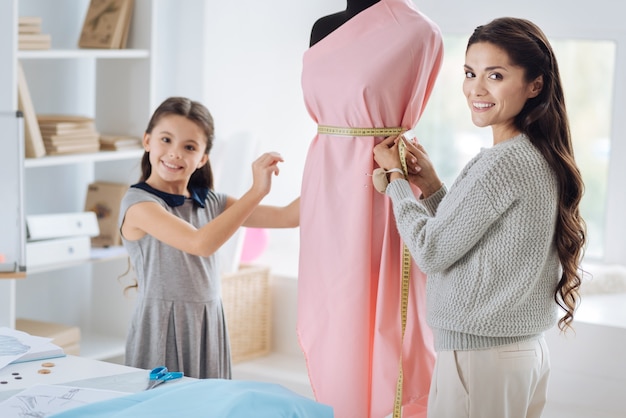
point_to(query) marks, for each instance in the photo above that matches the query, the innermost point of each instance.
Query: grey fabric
(178, 320)
(487, 248)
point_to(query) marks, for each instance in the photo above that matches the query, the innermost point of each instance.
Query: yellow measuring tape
(343, 131)
(404, 303)
(406, 255)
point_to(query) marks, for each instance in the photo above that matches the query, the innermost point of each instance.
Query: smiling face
(496, 90)
(177, 148)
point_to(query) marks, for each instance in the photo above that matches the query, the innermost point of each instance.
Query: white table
(73, 371)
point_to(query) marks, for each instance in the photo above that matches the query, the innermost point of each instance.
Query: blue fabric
(215, 398)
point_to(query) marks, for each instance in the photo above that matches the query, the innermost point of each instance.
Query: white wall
(250, 78)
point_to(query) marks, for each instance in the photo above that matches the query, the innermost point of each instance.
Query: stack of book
(68, 134)
(29, 34)
(119, 142)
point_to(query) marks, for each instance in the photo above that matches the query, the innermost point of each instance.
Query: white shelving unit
(116, 88)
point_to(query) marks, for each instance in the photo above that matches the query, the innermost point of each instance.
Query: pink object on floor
(254, 244)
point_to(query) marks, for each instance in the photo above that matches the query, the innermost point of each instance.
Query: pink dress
(376, 70)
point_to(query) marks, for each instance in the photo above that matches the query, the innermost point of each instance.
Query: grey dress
(178, 320)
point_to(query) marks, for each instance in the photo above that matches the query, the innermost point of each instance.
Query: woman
(503, 244)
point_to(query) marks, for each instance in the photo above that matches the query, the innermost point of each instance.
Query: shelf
(83, 53)
(52, 160)
(97, 255)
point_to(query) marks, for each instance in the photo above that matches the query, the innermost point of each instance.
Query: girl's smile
(177, 148)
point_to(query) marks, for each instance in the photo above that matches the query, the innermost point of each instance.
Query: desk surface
(71, 371)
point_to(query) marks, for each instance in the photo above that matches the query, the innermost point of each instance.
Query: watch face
(104, 23)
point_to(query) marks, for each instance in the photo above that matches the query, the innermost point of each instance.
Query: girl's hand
(262, 170)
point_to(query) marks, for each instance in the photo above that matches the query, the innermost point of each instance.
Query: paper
(16, 344)
(45, 400)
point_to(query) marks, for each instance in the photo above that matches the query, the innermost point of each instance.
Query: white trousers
(503, 382)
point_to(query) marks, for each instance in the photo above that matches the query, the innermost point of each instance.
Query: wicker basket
(246, 299)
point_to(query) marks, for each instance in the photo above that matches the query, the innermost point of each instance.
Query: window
(587, 73)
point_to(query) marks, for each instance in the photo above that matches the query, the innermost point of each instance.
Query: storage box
(104, 198)
(65, 336)
(247, 307)
(60, 225)
(58, 250)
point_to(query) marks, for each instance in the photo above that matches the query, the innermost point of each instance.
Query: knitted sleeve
(437, 242)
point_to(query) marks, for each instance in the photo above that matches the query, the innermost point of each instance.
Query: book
(34, 146)
(72, 148)
(50, 125)
(126, 25)
(28, 29)
(24, 46)
(106, 24)
(34, 41)
(108, 147)
(29, 24)
(29, 34)
(57, 118)
(19, 346)
(119, 142)
(53, 132)
(29, 20)
(81, 138)
(34, 37)
(42, 352)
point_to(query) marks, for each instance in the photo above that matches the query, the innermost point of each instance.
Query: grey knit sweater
(487, 248)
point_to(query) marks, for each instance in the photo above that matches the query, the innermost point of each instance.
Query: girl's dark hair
(544, 120)
(195, 112)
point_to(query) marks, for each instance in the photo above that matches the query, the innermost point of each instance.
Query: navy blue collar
(198, 195)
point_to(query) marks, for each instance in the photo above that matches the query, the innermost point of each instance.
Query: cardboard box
(65, 336)
(104, 199)
(60, 250)
(60, 225)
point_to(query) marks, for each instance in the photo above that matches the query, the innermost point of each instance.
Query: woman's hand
(386, 153)
(262, 170)
(421, 170)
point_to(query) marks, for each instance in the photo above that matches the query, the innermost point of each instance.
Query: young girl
(172, 223)
(504, 243)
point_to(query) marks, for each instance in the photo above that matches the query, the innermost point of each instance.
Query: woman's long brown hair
(544, 120)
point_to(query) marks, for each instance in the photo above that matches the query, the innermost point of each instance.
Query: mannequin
(370, 68)
(325, 25)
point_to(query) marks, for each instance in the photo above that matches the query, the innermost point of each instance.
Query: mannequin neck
(354, 7)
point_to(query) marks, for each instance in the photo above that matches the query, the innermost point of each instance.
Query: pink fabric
(377, 70)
